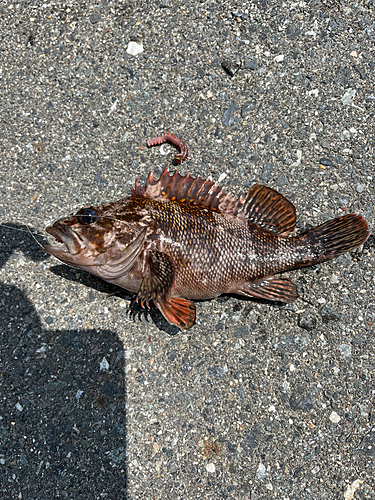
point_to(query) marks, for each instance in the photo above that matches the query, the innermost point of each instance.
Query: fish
(179, 239)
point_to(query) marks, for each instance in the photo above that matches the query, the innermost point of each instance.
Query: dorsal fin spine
(261, 205)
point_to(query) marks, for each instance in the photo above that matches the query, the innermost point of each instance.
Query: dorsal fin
(261, 205)
(268, 209)
(184, 189)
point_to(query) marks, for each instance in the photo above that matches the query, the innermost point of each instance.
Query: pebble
(345, 350)
(279, 58)
(312, 137)
(351, 489)
(134, 48)
(261, 472)
(307, 320)
(325, 161)
(238, 14)
(104, 365)
(292, 341)
(218, 371)
(334, 417)
(248, 106)
(252, 64)
(267, 171)
(251, 440)
(210, 468)
(117, 455)
(78, 395)
(360, 188)
(301, 401)
(232, 64)
(282, 180)
(329, 314)
(348, 97)
(227, 118)
(95, 17)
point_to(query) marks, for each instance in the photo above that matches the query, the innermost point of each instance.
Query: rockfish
(181, 238)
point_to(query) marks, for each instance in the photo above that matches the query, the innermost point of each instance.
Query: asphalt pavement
(102, 400)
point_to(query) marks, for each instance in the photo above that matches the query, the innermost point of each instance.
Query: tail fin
(336, 237)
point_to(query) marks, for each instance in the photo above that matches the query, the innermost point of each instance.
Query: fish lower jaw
(56, 249)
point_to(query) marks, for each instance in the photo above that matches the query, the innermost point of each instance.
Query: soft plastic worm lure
(179, 157)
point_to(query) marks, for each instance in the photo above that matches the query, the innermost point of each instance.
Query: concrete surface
(258, 401)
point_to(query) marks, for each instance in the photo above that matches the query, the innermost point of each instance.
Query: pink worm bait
(179, 157)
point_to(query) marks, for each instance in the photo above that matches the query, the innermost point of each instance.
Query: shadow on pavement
(135, 309)
(62, 419)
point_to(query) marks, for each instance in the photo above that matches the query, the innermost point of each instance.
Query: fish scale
(203, 243)
(180, 238)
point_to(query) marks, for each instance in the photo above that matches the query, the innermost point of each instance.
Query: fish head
(104, 241)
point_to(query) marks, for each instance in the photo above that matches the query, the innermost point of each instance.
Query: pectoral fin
(157, 282)
(158, 279)
(271, 288)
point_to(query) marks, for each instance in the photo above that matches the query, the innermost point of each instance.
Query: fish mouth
(68, 241)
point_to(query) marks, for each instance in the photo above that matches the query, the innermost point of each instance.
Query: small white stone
(351, 489)
(334, 417)
(345, 350)
(292, 368)
(104, 365)
(322, 301)
(271, 408)
(163, 149)
(312, 137)
(210, 468)
(19, 407)
(261, 472)
(78, 395)
(286, 386)
(134, 48)
(348, 97)
(279, 58)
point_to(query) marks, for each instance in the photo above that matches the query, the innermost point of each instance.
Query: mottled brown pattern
(167, 244)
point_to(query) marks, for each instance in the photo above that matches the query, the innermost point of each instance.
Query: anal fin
(271, 288)
(177, 311)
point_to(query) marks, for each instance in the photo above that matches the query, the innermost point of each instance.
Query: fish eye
(87, 216)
